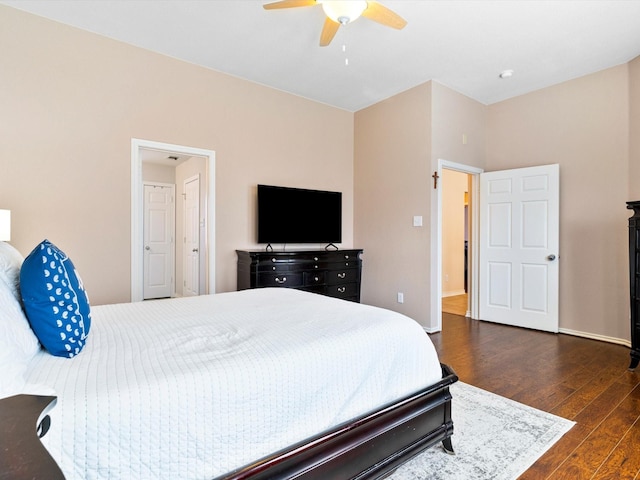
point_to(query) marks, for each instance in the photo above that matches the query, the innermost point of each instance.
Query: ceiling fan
(344, 12)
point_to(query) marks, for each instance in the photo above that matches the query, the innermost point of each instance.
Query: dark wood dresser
(634, 281)
(333, 273)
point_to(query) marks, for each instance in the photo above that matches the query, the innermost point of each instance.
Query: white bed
(193, 388)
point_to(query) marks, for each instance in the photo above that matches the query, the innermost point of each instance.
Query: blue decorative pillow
(55, 301)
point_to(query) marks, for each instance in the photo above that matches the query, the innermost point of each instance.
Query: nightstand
(23, 421)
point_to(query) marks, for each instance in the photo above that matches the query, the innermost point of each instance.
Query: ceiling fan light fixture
(343, 12)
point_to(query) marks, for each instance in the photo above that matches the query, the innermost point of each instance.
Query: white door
(191, 236)
(519, 247)
(158, 260)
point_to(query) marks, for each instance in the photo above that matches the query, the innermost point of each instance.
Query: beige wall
(454, 115)
(583, 125)
(158, 173)
(634, 130)
(397, 146)
(392, 162)
(72, 101)
(459, 135)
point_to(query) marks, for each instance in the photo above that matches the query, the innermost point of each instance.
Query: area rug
(494, 438)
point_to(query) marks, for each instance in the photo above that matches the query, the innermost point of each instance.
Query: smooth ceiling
(461, 44)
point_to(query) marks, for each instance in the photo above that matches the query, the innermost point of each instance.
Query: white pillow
(10, 263)
(18, 343)
(12, 372)
(15, 332)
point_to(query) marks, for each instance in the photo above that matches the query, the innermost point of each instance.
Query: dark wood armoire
(634, 281)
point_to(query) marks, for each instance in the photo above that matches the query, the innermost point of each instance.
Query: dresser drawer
(291, 279)
(273, 267)
(343, 275)
(267, 262)
(345, 290)
(342, 265)
(341, 256)
(314, 278)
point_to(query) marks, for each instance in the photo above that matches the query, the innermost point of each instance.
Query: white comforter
(192, 388)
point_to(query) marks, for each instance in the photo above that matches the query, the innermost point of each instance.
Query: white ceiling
(463, 44)
(163, 157)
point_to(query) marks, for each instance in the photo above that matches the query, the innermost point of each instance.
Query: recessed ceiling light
(506, 74)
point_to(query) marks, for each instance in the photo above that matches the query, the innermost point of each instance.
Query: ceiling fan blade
(328, 32)
(381, 14)
(289, 4)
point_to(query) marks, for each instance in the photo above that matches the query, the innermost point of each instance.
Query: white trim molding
(595, 336)
(567, 331)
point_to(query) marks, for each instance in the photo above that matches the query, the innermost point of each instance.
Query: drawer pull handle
(316, 279)
(342, 289)
(281, 280)
(342, 275)
(274, 260)
(346, 257)
(315, 259)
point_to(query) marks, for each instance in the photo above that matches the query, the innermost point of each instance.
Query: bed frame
(368, 447)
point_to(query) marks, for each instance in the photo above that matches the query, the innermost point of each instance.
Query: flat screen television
(296, 215)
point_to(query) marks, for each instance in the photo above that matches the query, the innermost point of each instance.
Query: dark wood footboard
(369, 446)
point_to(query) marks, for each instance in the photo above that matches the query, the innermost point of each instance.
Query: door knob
(551, 257)
(147, 247)
(195, 250)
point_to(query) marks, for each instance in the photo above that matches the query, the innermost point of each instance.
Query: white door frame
(137, 213)
(435, 318)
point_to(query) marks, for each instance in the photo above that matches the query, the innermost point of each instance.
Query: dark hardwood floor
(580, 379)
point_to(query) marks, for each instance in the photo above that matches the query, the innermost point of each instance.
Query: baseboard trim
(453, 293)
(575, 333)
(595, 336)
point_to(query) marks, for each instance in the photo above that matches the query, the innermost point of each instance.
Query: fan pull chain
(346, 59)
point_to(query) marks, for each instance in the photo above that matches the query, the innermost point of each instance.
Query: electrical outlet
(400, 297)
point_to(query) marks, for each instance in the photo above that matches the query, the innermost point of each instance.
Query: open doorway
(532, 294)
(160, 163)
(436, 289)
(456, 234)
